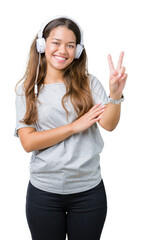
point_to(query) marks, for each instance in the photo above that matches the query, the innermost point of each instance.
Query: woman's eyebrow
(61, 40)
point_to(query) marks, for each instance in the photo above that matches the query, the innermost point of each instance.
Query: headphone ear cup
(40, 45)
(79, 49)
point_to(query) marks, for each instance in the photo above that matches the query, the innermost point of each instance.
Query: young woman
(58, 107)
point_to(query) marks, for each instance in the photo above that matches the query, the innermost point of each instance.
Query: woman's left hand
(117, 78)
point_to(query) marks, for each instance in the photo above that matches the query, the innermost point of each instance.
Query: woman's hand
(117, 78)
(88, 119)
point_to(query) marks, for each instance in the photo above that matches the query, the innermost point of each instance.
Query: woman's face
(60, 48)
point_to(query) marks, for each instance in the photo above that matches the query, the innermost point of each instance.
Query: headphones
(41, 44)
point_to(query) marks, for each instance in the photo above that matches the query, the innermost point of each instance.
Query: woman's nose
(62, 48)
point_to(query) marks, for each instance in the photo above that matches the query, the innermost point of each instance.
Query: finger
(122, 71)
(97, 113)
(96, 119)
(115, 79)
(98, 107)
(95, 106)
(119, 64)
(111, 65)
(124, 76)
(102, 105)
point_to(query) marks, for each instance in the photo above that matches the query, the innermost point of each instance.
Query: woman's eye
(70, 46)
(56, 43)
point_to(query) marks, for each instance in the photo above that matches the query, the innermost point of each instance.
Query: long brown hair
(76, 77)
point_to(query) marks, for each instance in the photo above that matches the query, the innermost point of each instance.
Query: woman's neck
(53, 77)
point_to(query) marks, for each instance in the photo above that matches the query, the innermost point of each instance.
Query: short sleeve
(98, 92)
(20, 104)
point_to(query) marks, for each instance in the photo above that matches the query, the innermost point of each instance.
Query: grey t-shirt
(72, 165)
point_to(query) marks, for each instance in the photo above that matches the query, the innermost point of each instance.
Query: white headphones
(41, 44)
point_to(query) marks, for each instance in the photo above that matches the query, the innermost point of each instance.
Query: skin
(117, 81)
(107, 116)
(117, 78)
(60, 52)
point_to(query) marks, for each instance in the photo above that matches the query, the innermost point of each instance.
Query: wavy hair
(76, 76)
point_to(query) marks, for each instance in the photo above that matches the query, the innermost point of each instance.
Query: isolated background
(109, 27)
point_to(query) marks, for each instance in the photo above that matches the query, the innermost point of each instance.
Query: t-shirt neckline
(53, 84)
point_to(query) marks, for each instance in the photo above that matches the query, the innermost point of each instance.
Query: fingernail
(119, 75)
(123, 77)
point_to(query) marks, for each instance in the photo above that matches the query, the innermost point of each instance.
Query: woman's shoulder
(94, 81)
(20, 89)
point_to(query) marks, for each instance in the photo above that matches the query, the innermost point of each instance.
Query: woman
(58, 107)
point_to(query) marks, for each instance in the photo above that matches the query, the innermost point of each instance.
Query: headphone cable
(37, 73)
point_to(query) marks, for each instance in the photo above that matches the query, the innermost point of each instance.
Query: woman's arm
(117, 80)
(110, 117)
(32, 140)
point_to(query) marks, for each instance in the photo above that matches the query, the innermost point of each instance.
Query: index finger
(111, 65)
(119, 64)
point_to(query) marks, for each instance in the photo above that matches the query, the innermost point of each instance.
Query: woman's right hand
(88, 119)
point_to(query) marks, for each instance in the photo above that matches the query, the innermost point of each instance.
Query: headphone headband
(40, 41)
(40, 33)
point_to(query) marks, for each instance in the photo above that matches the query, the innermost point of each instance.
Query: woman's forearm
(33, 140)
(110, 117)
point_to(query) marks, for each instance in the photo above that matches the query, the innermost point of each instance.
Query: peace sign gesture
(117, 78)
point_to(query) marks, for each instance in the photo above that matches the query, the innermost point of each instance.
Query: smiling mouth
(60, 58)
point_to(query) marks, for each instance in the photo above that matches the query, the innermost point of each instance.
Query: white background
(109, 27)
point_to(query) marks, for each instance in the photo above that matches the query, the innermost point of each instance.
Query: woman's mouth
(60, 58)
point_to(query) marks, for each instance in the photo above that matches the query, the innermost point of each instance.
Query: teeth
(60, 58)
